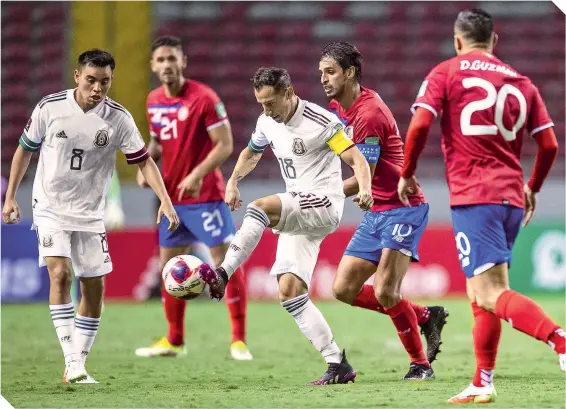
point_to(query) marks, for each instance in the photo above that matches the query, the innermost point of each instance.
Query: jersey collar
(76, 107)
(296, 118)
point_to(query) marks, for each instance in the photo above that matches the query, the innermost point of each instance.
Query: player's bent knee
(271, 205)
(343, 292)
(60, 276)
(290, 286)
(488, 299)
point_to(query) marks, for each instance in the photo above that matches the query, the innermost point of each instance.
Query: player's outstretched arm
(221, 137)
(151, 174)
(247, 161)
(362, 173)
(154, 149)
(20, 164)
(415, 142)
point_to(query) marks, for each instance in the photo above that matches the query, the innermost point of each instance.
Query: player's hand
(232, 197)
(140, 179)
(405, 188)
(190, 186)
(11, 211)
(364, 200)
(530, 204)
(167, 210)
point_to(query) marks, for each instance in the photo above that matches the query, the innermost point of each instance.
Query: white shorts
(88, 251)
(306, 219)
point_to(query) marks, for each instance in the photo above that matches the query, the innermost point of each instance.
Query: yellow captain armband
(339, 142)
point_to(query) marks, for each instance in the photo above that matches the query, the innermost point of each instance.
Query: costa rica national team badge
(101, 138)
(299, 147)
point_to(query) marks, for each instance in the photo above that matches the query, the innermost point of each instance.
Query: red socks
(486, 334)
(405, 320)
(366, 299)
(175, 314)
(525, 315)
(236, 300)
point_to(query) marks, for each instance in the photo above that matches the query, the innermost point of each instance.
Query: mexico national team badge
(299, 147)
(101, 138)
(183, 113)
(47, 241)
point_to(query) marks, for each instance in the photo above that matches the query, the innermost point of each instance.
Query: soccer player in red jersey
(190, 132)
(487, 109)
(386, 240)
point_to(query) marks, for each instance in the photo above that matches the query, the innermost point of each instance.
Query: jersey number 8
(77, 159)
(493, 98)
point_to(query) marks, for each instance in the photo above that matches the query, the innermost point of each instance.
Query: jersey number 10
(493, 98)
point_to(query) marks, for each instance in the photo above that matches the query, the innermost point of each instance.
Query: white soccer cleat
(75, 372)
(562, 359)
(240, 351)
(475, 394)
(89, 379)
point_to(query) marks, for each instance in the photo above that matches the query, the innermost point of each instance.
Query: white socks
(76, 335)
(246, 239)
(85, 332)
(63, 317)
(313, 324)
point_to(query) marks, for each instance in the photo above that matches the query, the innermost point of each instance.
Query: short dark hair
(475, 24)
(97, 58)
(167, 41)
(346, 55)
(275, 77)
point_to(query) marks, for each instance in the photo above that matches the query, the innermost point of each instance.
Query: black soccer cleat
(418, 372)
(432, 330)
(337, 373)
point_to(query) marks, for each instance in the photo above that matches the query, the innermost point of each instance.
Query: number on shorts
(104, 242)
(209, 223)
(402, 230)
(77, 159)
(288, 168)
(464, 249)
(493, 98)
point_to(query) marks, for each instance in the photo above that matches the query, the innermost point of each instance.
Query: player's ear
(184, 61)
(351, 72)
(494, 39)
(76, 76)
(457, 44)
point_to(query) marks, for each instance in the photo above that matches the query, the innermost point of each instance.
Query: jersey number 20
(493, 98)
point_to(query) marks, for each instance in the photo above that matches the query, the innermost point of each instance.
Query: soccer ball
(181, 278)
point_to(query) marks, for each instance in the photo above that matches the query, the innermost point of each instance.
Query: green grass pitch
(527, 374)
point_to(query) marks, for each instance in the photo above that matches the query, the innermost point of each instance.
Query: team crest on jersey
(183, 113)
(47, 241)
(101, 138)
(299, 147)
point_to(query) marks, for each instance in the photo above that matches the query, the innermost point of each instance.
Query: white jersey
(307, 162)
(77, 158)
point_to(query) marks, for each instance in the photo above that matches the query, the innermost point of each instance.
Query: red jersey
(370, 121)
(181, 125)
(486, 109)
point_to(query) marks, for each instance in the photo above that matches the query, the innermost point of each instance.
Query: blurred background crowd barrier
(225, 43)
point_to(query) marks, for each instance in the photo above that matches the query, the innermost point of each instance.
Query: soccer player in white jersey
(78, 132)
(308, 142)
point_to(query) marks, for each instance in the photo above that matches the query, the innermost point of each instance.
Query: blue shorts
(485, 235)
(398, 229)
(209, 223)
